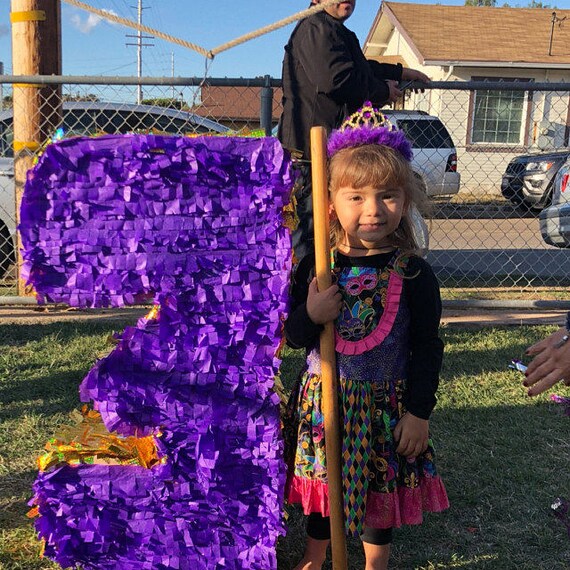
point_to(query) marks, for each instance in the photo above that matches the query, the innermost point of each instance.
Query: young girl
(386, 307)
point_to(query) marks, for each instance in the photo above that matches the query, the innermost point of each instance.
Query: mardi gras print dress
(387, 363)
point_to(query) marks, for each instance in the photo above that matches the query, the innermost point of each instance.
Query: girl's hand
(551, 363)
(412, 434)
(324, 306)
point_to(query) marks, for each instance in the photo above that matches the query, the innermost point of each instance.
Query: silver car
(89, 118)
(555, 220)
(435, 155)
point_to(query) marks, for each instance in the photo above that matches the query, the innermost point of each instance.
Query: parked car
(529, 178)
(555, 220)
(88, 118)
(435, 156)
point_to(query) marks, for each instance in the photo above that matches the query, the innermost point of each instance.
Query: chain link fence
(485, 240)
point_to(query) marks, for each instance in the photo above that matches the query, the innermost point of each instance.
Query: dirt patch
(462, 317)
(501, 317)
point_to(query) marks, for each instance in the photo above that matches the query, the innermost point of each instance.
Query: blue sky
(95, 47)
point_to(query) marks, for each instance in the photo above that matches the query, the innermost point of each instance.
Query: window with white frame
(498, 115)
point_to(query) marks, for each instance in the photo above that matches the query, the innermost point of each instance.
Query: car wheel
(545, 202)
(7, 251)
(523, 209)
(516, 200)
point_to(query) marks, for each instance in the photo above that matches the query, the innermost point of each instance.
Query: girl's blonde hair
(378, 166)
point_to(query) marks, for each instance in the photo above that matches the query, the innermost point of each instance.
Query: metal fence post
(265, 120)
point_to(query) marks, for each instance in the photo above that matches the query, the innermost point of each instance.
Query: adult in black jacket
(326, 78)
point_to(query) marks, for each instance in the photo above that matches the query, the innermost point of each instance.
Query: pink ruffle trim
(350, 347)
(405, 506)
(383, 510)
(312, 494)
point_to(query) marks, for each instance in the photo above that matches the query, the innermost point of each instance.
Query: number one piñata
(177, 461)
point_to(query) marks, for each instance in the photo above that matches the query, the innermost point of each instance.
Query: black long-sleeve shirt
(421, 291)
(326, 78)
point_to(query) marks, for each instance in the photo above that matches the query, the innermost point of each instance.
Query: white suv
(88, 118)
(435, 156)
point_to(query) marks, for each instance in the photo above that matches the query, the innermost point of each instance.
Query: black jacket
(326, 78)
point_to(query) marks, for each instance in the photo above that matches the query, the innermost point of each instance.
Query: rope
(275, 26)
(209, 54)
(141, 28)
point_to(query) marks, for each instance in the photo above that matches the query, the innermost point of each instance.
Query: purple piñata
(197, 222)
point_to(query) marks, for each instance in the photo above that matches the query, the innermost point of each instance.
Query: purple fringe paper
(562, 400)
(197, 222)
(347, 137)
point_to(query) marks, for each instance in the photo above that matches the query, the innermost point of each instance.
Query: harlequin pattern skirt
(382, 489)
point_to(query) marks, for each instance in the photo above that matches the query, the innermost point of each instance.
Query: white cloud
(89, 23)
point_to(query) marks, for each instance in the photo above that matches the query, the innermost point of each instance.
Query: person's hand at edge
(550, 365)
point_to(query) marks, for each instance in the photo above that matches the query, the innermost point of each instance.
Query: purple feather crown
(369, 126)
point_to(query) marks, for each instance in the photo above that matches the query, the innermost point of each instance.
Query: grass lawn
(504, 457)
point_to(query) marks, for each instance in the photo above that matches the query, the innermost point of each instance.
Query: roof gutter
(449, 72)
(385, 10)
(511, 64)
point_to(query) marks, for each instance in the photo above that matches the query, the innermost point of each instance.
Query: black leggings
(319, 528)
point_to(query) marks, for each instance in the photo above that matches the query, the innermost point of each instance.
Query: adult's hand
(414, 75)
(550, 365)
(394, 92)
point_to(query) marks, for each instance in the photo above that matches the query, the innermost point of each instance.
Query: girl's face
(368, 215)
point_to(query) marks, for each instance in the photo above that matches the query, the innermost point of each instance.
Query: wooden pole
(36, 50)
(328, 357)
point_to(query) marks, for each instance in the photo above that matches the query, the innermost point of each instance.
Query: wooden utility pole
(328, 355)
(36, 50)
